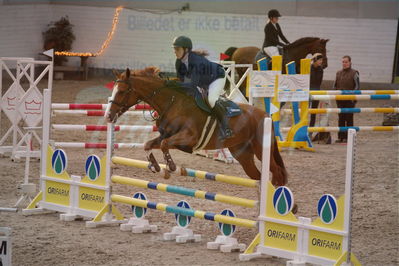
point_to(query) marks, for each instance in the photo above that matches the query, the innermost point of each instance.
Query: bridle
(124, 106)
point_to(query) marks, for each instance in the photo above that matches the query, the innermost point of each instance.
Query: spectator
(346, 79)
(316, 77)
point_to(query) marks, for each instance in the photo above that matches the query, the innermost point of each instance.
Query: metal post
(350, 165)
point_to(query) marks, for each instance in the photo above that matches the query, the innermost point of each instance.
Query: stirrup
(226, 133)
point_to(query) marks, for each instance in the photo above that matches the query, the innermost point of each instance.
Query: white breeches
(271, 51)
(216, 89)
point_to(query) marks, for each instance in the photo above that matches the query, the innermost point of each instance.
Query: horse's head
(320, 47)
(126, 94)
(123, 96)
(307, 45)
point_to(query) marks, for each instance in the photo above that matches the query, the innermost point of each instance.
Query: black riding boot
(225, 131)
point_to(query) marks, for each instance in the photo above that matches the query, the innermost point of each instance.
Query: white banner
(262, 83)
(293, 88)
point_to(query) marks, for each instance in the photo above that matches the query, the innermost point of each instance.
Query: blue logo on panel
(93, 167)
(59, 161)
(183, 220)
(227, 229)
(327, 208)
(283, 200)
(139, 212)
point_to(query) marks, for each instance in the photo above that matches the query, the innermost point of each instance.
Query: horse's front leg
(148, 146)
(182, 138)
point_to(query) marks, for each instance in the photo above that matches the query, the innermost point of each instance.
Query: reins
(124, 107)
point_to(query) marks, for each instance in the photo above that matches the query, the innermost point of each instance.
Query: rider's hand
(172, 83)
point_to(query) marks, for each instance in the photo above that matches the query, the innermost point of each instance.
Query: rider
(272, 34)
(194, 70)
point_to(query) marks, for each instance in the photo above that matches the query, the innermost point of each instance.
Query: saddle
(261, 54)
(231, 109)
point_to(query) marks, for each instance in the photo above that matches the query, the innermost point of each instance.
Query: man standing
(346, 79)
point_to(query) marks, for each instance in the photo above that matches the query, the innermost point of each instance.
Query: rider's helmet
(183, 41)
(273, 13)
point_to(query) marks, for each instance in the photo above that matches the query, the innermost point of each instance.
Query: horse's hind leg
(277, 167)
(244, 154)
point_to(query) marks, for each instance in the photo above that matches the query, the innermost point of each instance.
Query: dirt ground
(44, 240)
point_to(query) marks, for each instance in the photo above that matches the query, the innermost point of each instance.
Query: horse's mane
(151, 71)
(302, 41)
(200, 52)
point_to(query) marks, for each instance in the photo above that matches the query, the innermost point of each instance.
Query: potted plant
(59, 36)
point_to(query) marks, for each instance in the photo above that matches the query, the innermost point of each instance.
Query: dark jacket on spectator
(316, 77)
(347, 79)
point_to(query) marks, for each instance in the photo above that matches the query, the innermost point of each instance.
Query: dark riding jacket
(200, 71)
(271, 36)
(316, 77)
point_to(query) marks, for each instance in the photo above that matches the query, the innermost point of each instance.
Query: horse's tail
(277, 167)
(280, 178)
(230, 51)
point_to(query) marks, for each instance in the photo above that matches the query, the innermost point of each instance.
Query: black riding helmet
(273, 13)
(183, 41)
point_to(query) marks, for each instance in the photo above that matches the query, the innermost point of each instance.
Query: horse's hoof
(172, 166)
(157, 168)
(154, 168)
(183, 171)
(153, 164)
(166, 174)
(169, 162)
(295, 208)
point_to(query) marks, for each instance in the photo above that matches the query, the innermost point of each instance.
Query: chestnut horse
(181, 123)
(292, 52)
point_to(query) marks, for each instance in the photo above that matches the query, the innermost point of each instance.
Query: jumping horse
(292, 52)
(181, 123)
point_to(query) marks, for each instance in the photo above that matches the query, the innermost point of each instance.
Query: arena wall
(144, 38)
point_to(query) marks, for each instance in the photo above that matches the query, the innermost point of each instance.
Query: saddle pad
(230, 107)
(206, 133)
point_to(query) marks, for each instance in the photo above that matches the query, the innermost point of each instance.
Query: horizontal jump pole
(85, 145)
(355, 97)
(233, 180)
(195, 193)
(183, 211)
(344, 129)
(66, 127)
(93, 106)
(352, 92)
(99, 113)
(346, 110)
(8, 209)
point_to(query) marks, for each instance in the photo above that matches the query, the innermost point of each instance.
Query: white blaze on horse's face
(107, 113)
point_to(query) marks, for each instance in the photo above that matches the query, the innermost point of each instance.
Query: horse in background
(292, 52)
